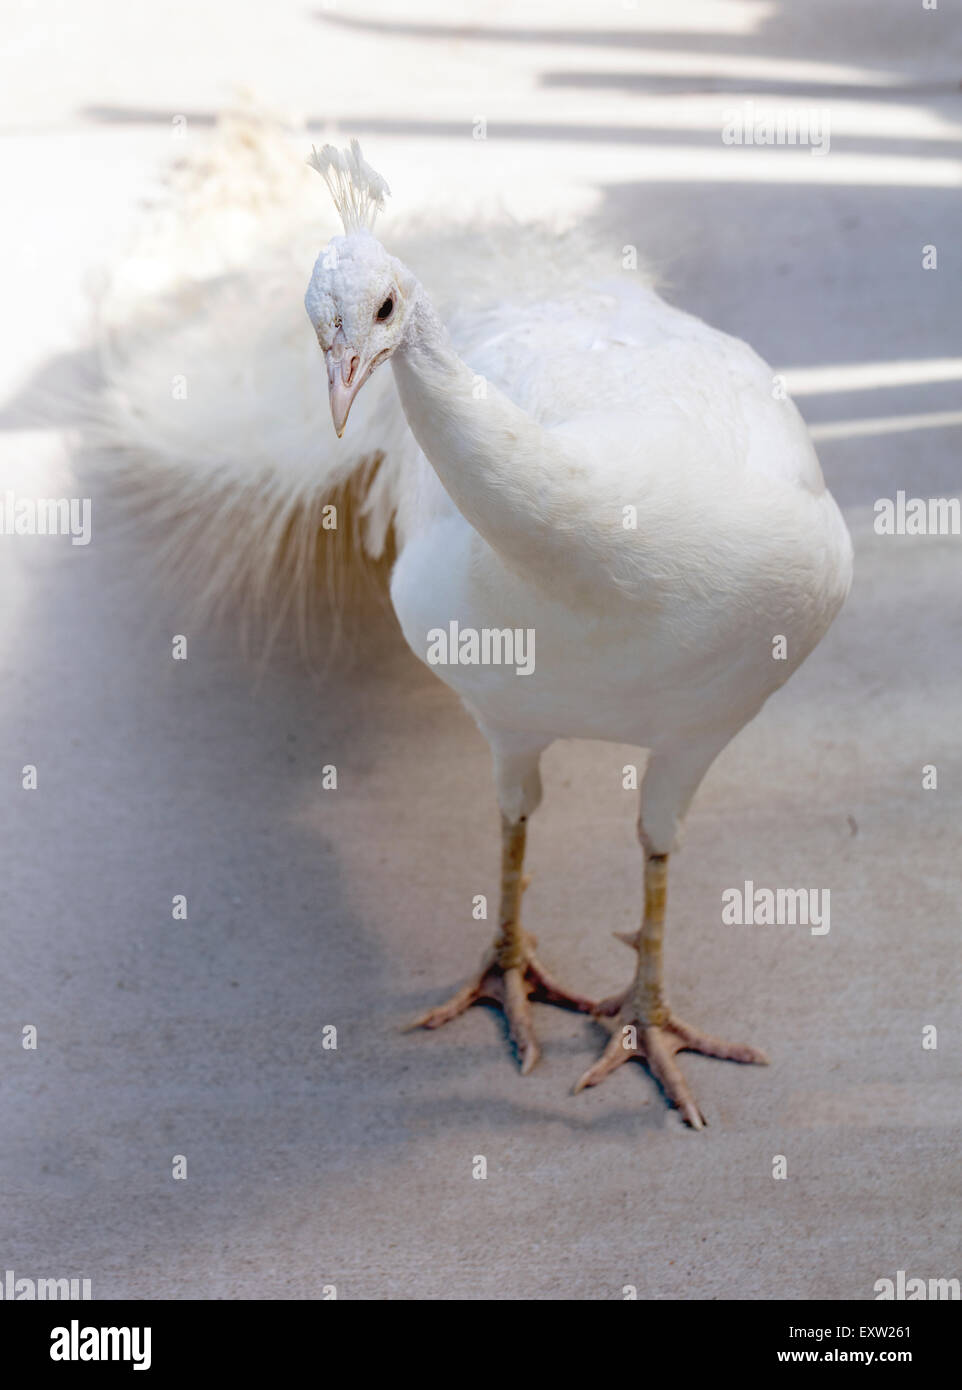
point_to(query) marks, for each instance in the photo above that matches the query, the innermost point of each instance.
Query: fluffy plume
(357, 189)
(236, 476)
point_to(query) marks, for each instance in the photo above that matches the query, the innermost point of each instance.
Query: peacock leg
(510, 974)
(645, 1028)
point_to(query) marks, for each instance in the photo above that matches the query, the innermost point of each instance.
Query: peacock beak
(344, 379)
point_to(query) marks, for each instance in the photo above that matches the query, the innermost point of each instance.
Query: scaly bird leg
(645, 1027)
(510, 973)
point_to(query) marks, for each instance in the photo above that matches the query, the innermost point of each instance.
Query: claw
(614, 1056)
(529, 1056)
(658, 1046)
(444, 1013)
(518, 1015)
(661, 1061)
(510, 990)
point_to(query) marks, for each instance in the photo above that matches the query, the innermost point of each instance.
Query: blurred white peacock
(507, 485)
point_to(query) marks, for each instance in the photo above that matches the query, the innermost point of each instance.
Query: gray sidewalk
(308, 1167)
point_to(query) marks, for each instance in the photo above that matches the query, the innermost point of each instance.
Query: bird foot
(657, 1045)
(510, 989)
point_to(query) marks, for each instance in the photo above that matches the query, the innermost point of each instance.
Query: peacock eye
(386, 310)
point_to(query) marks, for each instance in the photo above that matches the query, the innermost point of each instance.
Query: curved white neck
(510, 478)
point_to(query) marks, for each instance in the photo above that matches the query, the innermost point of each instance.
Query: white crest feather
(357, 189)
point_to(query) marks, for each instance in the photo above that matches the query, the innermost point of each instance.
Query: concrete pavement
(308, 1167)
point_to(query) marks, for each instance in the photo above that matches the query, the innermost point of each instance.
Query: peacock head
(359, 296)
